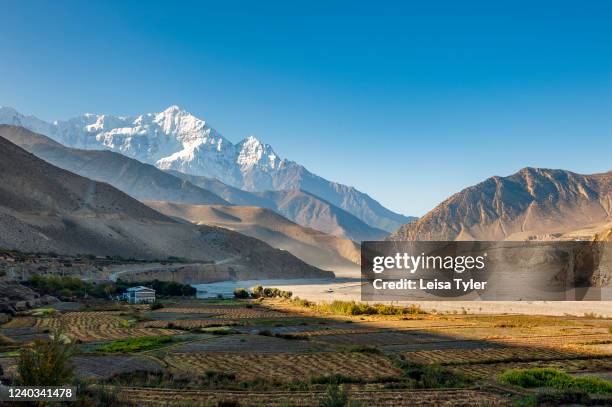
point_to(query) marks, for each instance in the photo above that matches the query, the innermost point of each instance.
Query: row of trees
(261, 292)
(72, 287)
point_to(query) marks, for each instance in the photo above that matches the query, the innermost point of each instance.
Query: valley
(305, 204)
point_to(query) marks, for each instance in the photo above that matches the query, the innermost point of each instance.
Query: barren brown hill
(534, 203)
(312, 246)
(142, 181)
(44, 208)
(296, 205)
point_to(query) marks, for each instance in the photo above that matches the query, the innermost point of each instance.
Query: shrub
(270, 292)
(556, 398)
(46, 363)
(365, 349)
(157, 305)
(241, 293)
(212, 376)
(258, 291)
(432, 376)
(335, 397)
(548, 377)
(334, 379)
(354, 308)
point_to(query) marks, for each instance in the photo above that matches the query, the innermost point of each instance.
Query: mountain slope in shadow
(142, 181)
(44, 208)
(314, 247)
(296, 205)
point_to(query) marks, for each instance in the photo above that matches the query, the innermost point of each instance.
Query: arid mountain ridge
(534, 203)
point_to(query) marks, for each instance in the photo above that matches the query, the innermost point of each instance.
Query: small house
(140, 295)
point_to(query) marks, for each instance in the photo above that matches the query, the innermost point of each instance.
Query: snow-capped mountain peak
(254, 152)
(174, 139)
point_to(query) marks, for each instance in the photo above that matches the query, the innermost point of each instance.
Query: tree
(241, 293)
(258, 291)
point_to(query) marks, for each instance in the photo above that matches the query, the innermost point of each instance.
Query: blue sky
(408, 101)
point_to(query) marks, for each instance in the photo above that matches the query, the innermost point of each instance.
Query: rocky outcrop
(15, 297)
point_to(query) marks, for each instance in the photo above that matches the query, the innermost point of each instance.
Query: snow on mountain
(174, 139)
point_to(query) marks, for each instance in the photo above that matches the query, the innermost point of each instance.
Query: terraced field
(387, 398)
(230, 312)
(492, 370)
(187, 323)
(248, 344)
(226, 351)
(97, 326)
(491, 355)
(286, 366)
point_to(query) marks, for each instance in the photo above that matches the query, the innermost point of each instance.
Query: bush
(335, 397)
(365, 349)
(258, 291)
(556, 398)
(241, 293)
(157, 305)
(548, 377)
(270, 292)
(432, 376)
(219, 377)
(46, 363)
(354, 308)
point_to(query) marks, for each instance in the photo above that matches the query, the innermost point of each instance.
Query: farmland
(277, 352)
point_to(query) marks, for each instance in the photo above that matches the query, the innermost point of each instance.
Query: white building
(140, 295)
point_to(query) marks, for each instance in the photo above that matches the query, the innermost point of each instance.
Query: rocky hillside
(531, 204)
(44, 208)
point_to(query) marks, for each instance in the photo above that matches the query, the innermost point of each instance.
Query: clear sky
(408, 101)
